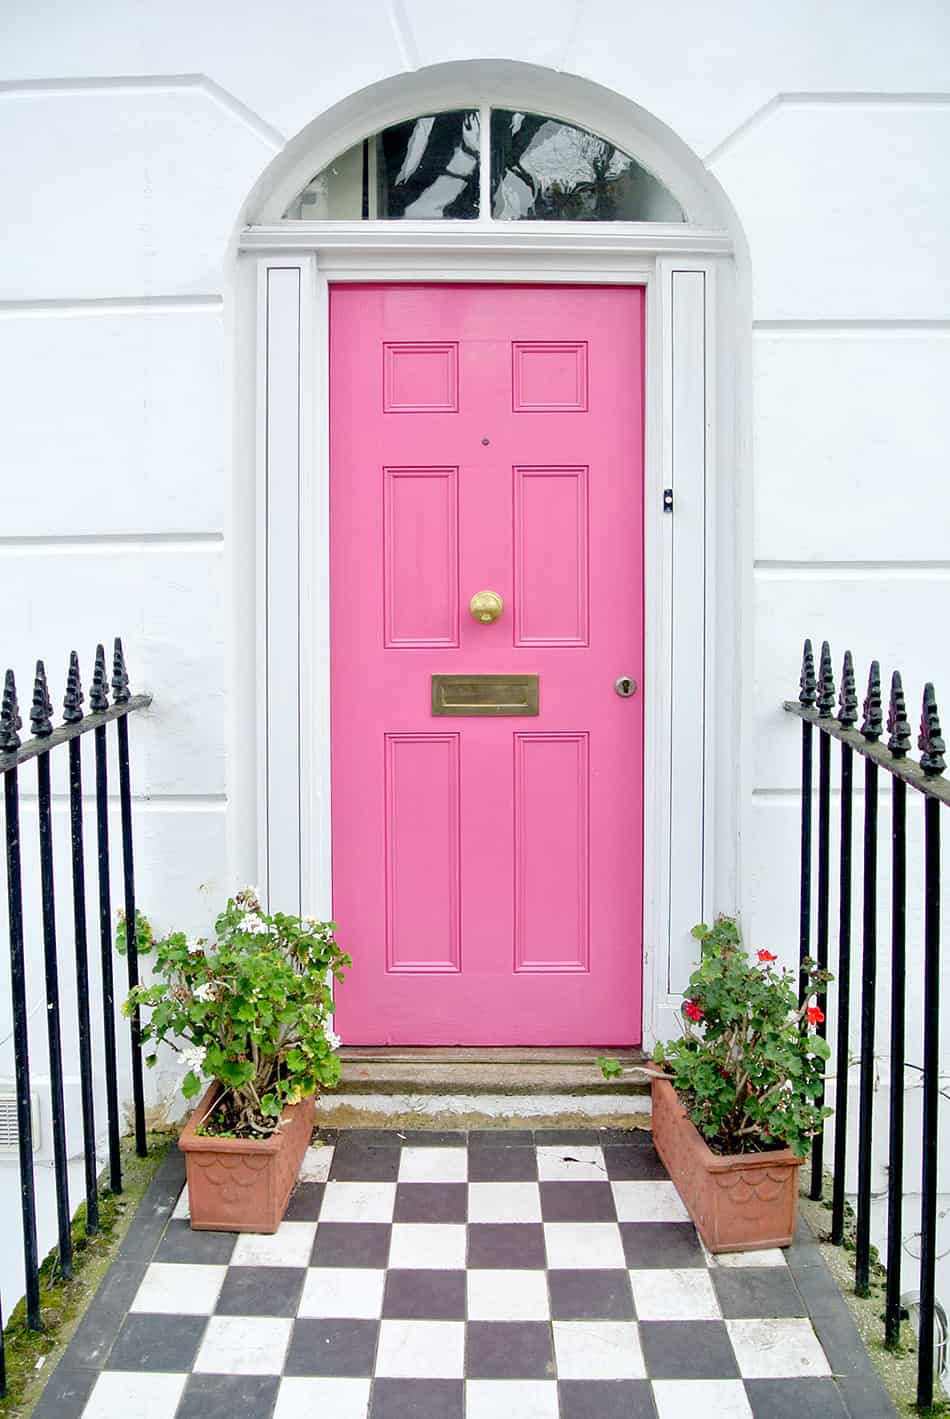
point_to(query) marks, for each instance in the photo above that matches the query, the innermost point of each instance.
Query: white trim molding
(689, 423)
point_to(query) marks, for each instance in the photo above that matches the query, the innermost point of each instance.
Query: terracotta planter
(739, 1202)
(242, 1184)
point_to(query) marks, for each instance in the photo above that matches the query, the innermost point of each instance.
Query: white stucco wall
(130, 139)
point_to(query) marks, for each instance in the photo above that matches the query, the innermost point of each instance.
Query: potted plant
(738, 1097)
(251, 1011)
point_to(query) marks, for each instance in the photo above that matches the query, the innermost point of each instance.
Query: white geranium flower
(205, 991)
(195, 947)
(311, 920)
(194, 1058)
(254, 925)
(333, 1039)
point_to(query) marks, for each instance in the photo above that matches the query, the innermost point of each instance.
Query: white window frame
(690, 855)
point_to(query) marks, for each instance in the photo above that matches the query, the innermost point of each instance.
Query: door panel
(487, 871)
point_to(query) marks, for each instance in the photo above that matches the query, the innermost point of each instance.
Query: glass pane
(425, 168)
(547, 170)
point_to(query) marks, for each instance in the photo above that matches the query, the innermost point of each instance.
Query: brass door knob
(486, 606)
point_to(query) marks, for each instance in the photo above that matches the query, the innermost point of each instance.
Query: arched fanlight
(541, 169)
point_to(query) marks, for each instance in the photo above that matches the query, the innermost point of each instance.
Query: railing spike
(72, 703)
(848, 698)
(826, 683)
(807, 681)
(873, 724)
(41, 711)
(931, 743)
(120, 676)
(898, 725)
(10, 720)
(99, 694)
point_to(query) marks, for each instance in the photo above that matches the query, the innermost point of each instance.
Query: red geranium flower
(693, 1011)
(814, 1014)
(766, 956)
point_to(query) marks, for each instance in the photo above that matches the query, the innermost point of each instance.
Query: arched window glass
(541, 169)
(425, 168)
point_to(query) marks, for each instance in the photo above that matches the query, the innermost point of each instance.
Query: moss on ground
(31, 1355)
(897, 1367)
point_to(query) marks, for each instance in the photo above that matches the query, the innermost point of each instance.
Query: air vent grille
(9, 1132)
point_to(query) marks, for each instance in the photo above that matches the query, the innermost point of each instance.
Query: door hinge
(667, 499)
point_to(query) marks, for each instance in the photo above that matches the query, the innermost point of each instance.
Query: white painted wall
(130, 139)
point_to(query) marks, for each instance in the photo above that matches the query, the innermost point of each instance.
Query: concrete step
(484, 1071)
(483, 1088)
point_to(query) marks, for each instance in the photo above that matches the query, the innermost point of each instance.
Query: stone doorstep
(437, 1088)
(484, 1071)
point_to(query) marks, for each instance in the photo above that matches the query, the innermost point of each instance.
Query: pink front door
(487, 870)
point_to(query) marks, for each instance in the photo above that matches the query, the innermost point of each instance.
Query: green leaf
(191, 1085)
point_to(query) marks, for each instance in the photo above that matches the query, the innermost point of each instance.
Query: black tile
(818, 1290)
(576, 1137)
(756, 1291)
(626, 1137)
(590, 1295)
(577, 1202)
(332, 1347)
(688, 1350)
(180, 1243)
(506, 1244)
(501, 1138)
(66, 1392)
(424, 1295)
(417, 1399)
(502, 1165)
(151, 1342)
(606, 1399)
(634, 1163)
(228, 1397)
(305, 1202)
(509, 1350)
(370, 1137)
(351, 1244)
(795, 1399)
(431, 1202)
(108, 1309)
(661, 1244)
(261, 1291)
(325, 1136)
(356, 1161)
(864, 1396)
(432, 1138)
(154, 1210)
(841, 1341)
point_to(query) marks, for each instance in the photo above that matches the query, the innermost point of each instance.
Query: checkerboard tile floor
(481, 1276)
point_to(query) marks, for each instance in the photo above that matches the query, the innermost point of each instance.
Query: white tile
(768, 1256)
(182, 1211)
(674, 1295)
(785, 1348)
(422, 1165)
(170, 1288)
(684, 1399)
(145, 1394)
(358, 1202)
(582, 1164)
(598, 1350)
(504, 1202)
(243, 1345)
(342, 1291)
(505, 1399)
(421, 1349)
(648, 1202)
(337, 1399)
(437, 1245)
(290, 1245)
(583, 1245)
(316, 1163)
(508, 1295)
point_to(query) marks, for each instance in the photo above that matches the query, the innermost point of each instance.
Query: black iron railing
(815, 706)
(14, 758)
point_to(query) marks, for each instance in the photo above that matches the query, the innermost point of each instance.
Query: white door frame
(690, 854)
